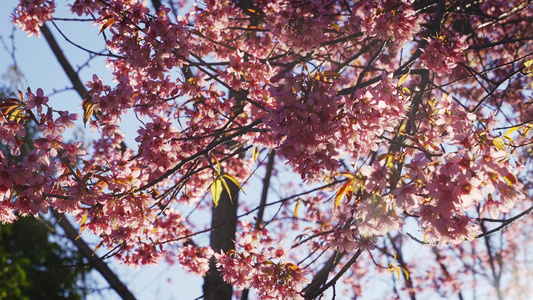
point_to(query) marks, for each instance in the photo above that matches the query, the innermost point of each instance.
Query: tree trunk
(224, 222)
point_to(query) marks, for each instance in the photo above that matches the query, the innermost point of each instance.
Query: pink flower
(36, 101)
(30, 14)
(195, 260)
(442, 55)
(66, 119)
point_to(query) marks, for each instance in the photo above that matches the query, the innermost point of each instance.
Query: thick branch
(495, 273)
(312, 295)
(71, 73)
(98, 264)
(322, 276)
(266, 185)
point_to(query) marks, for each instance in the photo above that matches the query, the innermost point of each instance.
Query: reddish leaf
(347, 186)
(108, 23)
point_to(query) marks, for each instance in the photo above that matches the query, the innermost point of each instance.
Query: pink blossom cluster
(195, 260)
(442, 55)
(87, 7)
(302, 28)
(369, 113)
(158, 141)
(305, 124)
(226, 77)
(441, 191)
(312, 124)
(25, 185)
(31, 14)
(252, 265)
(391, 20)
(345, 236)
(373, 215)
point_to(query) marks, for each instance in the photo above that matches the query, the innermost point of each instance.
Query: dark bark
(63, 61)
(222, 238)
(322, 276)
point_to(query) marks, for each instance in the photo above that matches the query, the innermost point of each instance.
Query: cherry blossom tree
(391, 139)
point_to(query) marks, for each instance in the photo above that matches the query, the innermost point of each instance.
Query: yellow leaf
(219, 169)
(16, 115)
(330, 74)
(528, 128)
(296, 209)
(335, 26)
(88, 110)
(385, 156)
(11, 108)
(398, 272)
(511, 130)
(528, 67)
(404, 77)
(499, 143)
(324, 76)
(291, 266)
(82, 225)
(226, 187)
(102, 185)
(406, 273)
(255, 154)
(402, 129)
(349, 175)
(234, 180)
(216, 190)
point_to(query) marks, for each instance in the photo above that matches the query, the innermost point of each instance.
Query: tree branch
(346, 267)
(111, 278)
(63, 61)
